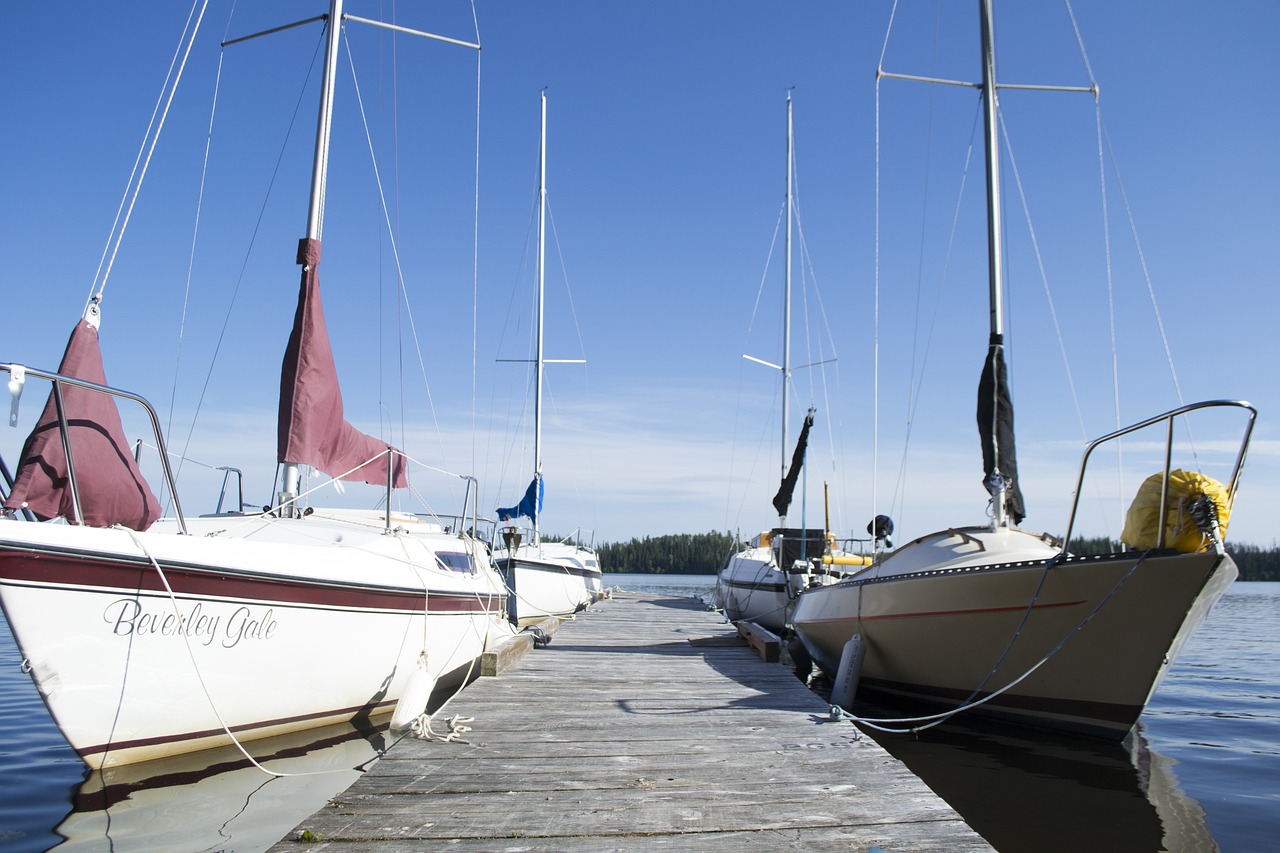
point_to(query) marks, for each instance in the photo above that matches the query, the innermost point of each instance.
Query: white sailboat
(152, 637)
(546, 579)
(1000, 621)
(760, 582)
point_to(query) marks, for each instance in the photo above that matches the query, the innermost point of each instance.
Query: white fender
(846, 683)
(413, 702)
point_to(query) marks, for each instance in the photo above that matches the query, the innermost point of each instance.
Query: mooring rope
(213, 706)
(931, 720)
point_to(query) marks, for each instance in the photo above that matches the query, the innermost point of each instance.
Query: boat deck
(646, 721)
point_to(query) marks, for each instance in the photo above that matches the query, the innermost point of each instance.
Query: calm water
(1204, 775)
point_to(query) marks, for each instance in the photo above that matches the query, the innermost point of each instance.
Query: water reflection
(217, 799)
(1034, 791)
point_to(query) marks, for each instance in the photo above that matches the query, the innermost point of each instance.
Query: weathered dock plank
(647, 721)
(764, 641)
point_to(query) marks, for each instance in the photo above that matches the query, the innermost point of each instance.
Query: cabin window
(457, 561)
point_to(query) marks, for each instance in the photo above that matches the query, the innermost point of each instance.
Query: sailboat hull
(154, 644)
(550, 580)
(1106, 628)
(751, 588)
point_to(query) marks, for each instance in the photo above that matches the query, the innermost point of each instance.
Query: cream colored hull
(978, 621)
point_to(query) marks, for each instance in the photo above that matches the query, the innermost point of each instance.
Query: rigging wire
(517, 427)
(732, 519)
(809, 282)
(475, 258)
(141, 164)
(395, 250)
(1044, 275)
(253, 237)
(577, 327)
(195, 233)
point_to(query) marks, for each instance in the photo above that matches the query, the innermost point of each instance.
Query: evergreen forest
(706, 553)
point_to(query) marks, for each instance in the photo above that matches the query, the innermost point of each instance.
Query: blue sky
(666, 170)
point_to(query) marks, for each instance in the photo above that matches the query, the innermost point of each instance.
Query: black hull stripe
(755, 587)
(549, 568)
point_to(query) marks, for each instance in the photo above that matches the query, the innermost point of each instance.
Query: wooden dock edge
(503, 656)
(766, 643)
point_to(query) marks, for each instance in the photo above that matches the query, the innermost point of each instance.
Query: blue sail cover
(530, 505)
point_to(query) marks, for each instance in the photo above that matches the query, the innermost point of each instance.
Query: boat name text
(127, 617)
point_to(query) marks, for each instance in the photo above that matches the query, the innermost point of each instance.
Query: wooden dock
(647, 721)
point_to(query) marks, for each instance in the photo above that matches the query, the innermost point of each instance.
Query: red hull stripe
(969, 612)
(298, 722)
(192, 581)
(88, 799)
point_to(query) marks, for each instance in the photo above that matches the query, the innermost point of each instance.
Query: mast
(786, 299)
(995, 237)
(319, 174)
(996, 484)
(538, 364)
(995, 402)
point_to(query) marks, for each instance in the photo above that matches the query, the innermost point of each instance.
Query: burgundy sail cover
(111, 488)
(312, 428)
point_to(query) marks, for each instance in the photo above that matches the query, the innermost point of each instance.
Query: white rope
(421, 727)
(937, 719)
(213, 706)
(454, 734)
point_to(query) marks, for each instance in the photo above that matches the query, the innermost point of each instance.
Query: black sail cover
(782, 500)
(995, 427)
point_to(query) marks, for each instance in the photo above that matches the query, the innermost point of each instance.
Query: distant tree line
(676, 553)
(1255, 563)
(706, 553)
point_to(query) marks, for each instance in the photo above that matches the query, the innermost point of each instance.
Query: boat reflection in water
(217, 799)
(1025, 790)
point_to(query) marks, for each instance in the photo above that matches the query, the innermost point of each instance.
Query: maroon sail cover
(111, 488)
(312, 428)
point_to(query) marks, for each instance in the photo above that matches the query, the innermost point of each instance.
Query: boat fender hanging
(413, 702)
(17, 377)
(848, 673)
(1181, 532)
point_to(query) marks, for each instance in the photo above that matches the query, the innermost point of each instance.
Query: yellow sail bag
(1142, 522)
